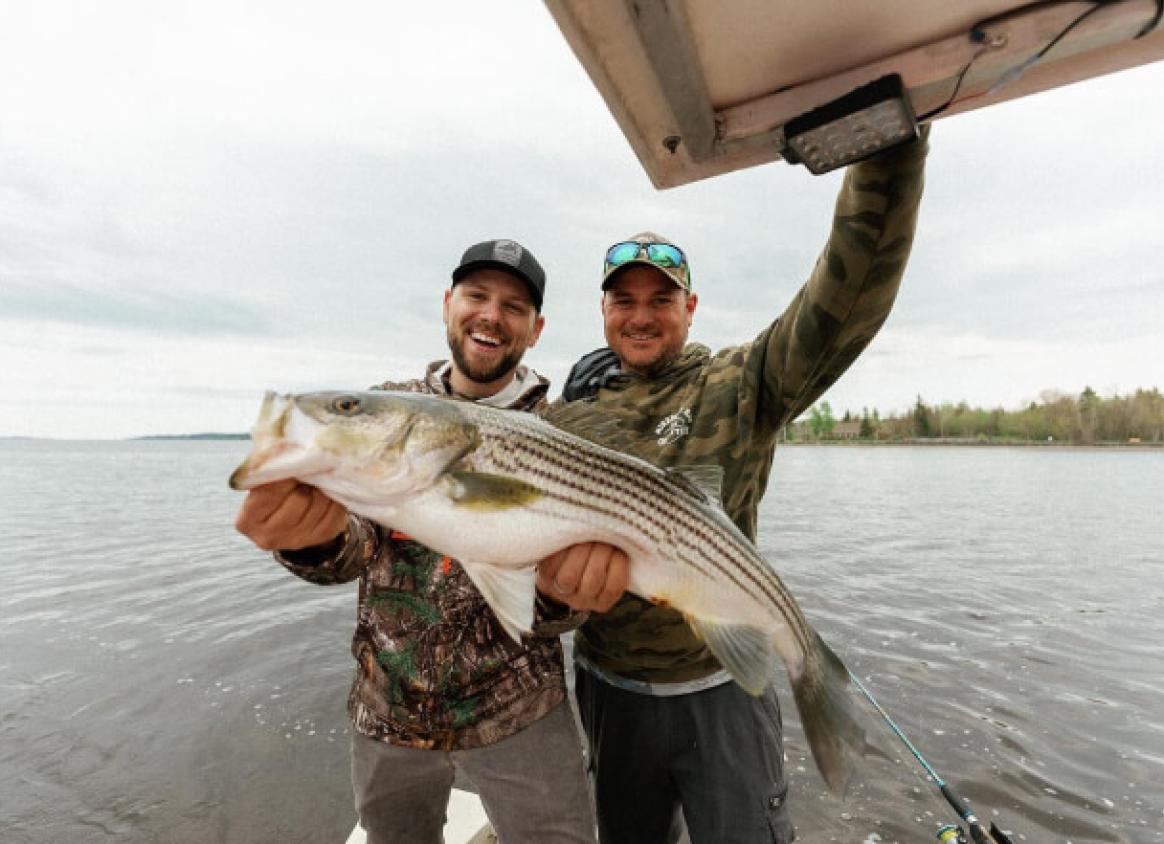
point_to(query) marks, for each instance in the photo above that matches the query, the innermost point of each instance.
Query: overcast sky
(202, 201)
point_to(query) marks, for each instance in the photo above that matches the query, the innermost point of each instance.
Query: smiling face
(646, 317)
(491, 321)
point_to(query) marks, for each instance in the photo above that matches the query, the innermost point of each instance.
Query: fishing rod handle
(976, 831)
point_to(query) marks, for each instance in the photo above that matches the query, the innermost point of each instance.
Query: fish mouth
(277, 454)
(278, 462)
(264, 466)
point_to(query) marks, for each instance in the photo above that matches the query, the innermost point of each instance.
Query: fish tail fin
(829, 714)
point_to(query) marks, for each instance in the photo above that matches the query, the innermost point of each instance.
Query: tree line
(1057, 417)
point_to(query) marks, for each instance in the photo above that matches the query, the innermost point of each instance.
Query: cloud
(201, 202)
(147, 308)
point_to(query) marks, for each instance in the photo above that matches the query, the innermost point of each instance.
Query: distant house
(847, 430)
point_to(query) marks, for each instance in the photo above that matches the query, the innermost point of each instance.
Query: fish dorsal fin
(510, 593)
(568, 415)
(747, 653)
(702, 482)
(485, 491)
(578, 418)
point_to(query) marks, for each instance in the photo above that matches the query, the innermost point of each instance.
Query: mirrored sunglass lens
(665, 255)
(620, 253)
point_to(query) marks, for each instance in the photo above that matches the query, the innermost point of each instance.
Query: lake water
(163, 681)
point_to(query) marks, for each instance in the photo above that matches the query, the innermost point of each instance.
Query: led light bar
(863, 122)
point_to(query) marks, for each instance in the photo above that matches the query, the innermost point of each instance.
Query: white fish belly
(513, 537)
(678, 585)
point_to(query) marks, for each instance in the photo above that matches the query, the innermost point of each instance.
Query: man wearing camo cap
(670, 736)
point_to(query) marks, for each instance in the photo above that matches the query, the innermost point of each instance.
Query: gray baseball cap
(509, 256)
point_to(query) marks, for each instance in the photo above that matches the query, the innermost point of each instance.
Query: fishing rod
(949, 832)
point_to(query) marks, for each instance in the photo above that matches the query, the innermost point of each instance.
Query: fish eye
(346, 405)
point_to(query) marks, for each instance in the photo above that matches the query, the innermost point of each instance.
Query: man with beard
(671, 738)
(440, 688)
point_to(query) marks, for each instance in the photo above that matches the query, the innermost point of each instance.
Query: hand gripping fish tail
(499, 491)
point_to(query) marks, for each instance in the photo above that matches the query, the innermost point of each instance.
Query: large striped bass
(500, 490)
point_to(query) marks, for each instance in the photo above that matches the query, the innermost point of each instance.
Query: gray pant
(532, 785)
(713, 759)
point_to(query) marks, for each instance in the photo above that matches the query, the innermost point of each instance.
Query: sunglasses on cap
(663, 255)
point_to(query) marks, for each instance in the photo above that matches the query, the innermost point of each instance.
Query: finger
(545, 584)
(320, 520)
(293, 508)
(317, 507)
(261, 502)
(617, 577)
(569, 573)
(284, 527)
(325, 519)
(335, 521)
(256, 512)
(594, 575)
(547, 569)
(550, 565)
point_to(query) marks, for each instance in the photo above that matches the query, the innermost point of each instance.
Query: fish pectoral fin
(510, 593)
(484, 491)
(747, 653)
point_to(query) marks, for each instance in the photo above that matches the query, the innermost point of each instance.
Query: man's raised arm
(851, 289)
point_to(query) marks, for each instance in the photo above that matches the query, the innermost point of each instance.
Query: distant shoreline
(207, 436)
(193, 437)
(952, 443)
(935, 442)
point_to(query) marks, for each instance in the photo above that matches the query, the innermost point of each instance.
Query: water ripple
(160, 679)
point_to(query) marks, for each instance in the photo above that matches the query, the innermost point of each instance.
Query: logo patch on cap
(508, 252)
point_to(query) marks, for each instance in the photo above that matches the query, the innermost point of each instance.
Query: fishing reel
(951, 834)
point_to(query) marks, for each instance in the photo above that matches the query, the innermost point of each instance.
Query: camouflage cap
(680, 275)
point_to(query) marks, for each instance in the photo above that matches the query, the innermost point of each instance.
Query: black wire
(1099, 4)
(957, 87)
(978, 35)
(1152, 24)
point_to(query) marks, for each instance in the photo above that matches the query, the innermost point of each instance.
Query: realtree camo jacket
(434, 669)
(728, 408)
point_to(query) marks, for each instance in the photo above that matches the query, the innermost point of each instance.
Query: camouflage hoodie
(434, 669)
(727, 408)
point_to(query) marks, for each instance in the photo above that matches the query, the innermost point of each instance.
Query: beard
(648, 367)
(477, 372)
